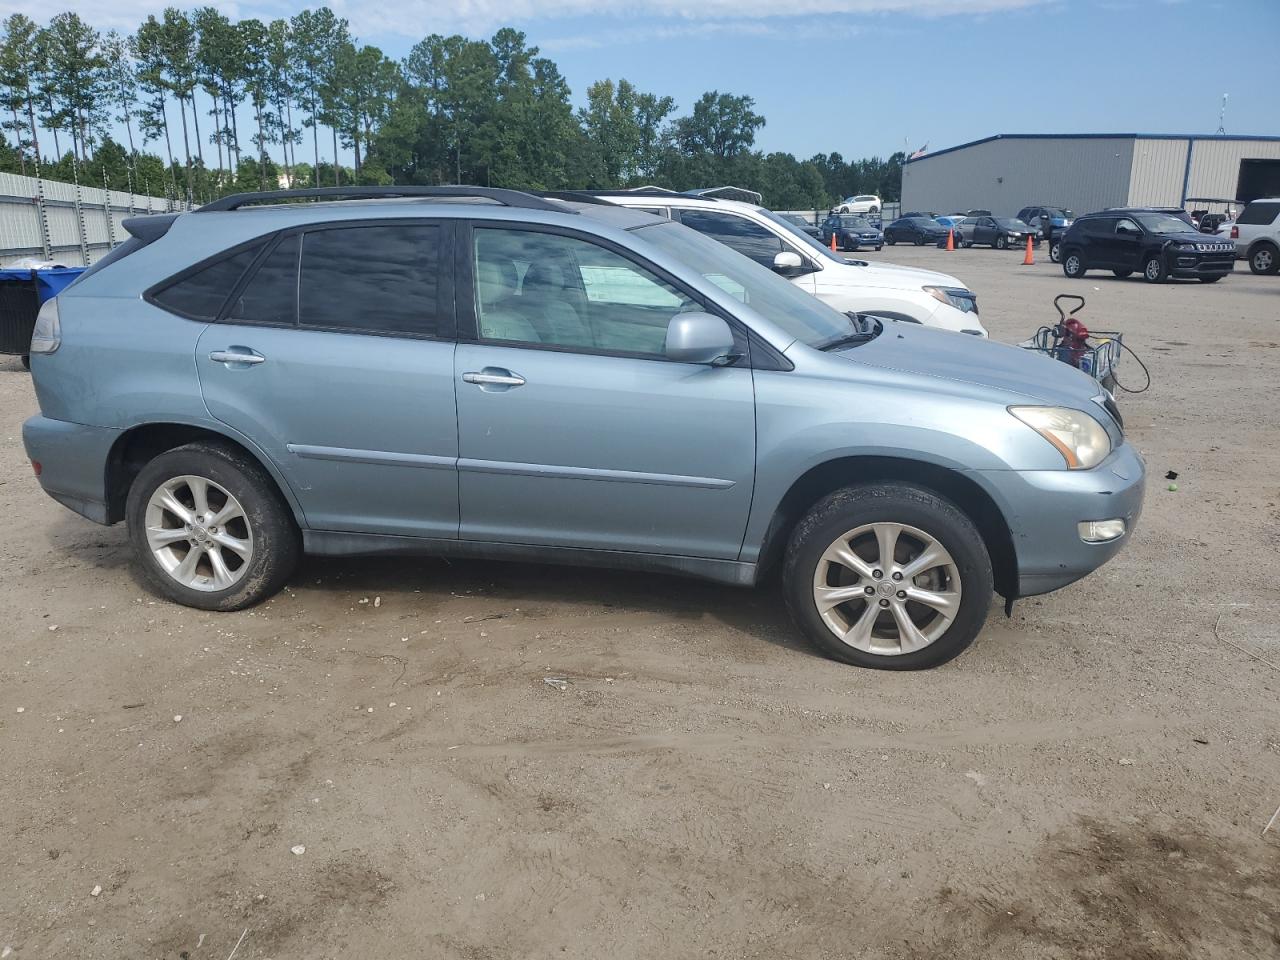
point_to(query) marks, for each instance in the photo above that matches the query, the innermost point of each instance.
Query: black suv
(917, 230)
(1159, 245)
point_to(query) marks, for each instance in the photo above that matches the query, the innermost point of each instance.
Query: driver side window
(554, 290)
(1127, 226)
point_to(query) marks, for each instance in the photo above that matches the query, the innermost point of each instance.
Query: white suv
(1256, 233)
(866, 203)
(851, 286)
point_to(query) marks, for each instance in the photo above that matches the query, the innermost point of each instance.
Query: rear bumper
(1045, 507)
(73, 462)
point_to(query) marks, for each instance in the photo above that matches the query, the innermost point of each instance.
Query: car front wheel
(1154, 270)
(890, 576)
(890, 239)
(209, 529)
(919, 241)
(1055, 252)
(1073, 265)
(1001, 243)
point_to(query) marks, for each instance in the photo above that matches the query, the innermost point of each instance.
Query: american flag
(919, 153)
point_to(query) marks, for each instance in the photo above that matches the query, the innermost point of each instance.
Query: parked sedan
(998, 232)
(796, 220)
(917, 230)
(851, 233)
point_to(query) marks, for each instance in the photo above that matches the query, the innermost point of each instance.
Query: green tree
(153, 118)
(75, 74)
(721, 124)
(316, 36)
(625, 130)
(120, 80)
(18, 69)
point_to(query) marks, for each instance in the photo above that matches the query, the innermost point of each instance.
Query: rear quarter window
(201, 293)
(1259, 213)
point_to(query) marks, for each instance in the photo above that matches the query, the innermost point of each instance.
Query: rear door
(575, 430)
(1124, 244)
(335, 356)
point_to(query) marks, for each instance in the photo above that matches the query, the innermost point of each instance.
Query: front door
(343, 374)
(574, 428)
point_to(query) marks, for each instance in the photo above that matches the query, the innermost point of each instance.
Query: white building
(1085, 172)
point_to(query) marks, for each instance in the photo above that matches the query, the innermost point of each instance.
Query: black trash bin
(22, 291)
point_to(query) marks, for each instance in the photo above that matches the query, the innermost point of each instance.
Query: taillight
(47, 335)
(1235, 232)
(37, 467)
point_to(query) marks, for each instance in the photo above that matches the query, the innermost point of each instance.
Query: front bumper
(1045, 507)
(73, 460)
(1201, 264)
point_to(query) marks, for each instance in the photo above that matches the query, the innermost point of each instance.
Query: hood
(1026, 374)
(856, 273)
(1191, 235)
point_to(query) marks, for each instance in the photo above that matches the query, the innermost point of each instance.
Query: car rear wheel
(890, 239)
(1264, 259)
(1073, 264)
(919, 240)
(1055, 252)
(1001, 243)
(209, 529)
(890, 576)
(1121, 274)
(1154, 270)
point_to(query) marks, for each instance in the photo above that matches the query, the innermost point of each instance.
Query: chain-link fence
(65, 222)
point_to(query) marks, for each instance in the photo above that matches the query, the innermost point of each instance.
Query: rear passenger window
(1263, 213)
(271, 295)
(200, 295)
(382, 279)
(747, 237)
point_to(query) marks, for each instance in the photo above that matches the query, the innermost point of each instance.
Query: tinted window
(271, 295)
(1100, 225)
(383, 279)
(544, 288)
(202, 294)
(747, 237)
(1259, 213)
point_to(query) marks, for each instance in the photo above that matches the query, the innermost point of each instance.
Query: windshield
(855, 223)
(811, 245)
(1058, 213)
(1162, 223)
(1009, 224)
(802, 315)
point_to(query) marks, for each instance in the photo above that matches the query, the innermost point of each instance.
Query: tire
(921, 517)
(1214, 279)
(873, 210)
(1073, 265)
(1121, 274)
(1264, 259)
(1002, 243)
(966, 244)
(26, 361)
(890, 239)
(233, 482)
(1055, 252)
(1154, 270)
(878, 249)
(919, 241)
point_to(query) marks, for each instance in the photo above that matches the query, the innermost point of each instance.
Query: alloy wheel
(198, 533)
(887, 589)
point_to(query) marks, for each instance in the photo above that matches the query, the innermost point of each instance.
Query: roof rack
(575, 196)
(509, 198)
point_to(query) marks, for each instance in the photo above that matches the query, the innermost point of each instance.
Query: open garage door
(1258, 178)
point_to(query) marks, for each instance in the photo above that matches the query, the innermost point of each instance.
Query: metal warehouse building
(1086, 172)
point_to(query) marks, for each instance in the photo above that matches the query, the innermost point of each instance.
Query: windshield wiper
(866, 330)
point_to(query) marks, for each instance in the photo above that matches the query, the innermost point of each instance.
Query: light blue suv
(485, 373)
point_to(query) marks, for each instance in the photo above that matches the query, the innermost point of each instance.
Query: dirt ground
(1091, 779)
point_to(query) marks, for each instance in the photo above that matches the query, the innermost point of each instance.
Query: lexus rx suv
(473, 372)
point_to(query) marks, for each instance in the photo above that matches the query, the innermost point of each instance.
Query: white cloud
(416, 18)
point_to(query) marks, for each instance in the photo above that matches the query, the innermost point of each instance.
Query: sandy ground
(1091, 779)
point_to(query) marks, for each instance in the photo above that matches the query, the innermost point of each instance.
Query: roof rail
(509, 198)
(574, 196)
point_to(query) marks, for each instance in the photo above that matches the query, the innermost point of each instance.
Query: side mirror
(699, 338)
(788, 262)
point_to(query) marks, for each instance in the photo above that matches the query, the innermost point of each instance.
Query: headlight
(1080, 439)
(958, 297)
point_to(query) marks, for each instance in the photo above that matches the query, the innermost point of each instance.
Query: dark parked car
(796, 220)
(977, 213)
(917, 230)
(1059, 218)
(1159, 245)
(851, 232)
(927, 214)
(998, 232)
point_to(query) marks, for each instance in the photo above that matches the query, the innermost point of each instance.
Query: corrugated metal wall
(1215, 164)
(24, 233)
(1006, 174)
(1157, 172)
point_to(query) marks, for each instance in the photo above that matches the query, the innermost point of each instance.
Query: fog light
(1100, 531)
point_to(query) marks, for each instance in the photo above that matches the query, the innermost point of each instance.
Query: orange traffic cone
(1029, 260)
(951, 239)
(833, 241)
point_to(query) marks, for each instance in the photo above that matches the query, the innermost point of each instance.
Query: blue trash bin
(22, 291)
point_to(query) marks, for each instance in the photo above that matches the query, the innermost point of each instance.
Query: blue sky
(869, 77)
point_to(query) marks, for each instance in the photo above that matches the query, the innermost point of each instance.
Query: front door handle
(236, 356)
(494, 377)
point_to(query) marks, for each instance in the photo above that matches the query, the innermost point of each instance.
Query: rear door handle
(494, 377)
(236, 356)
